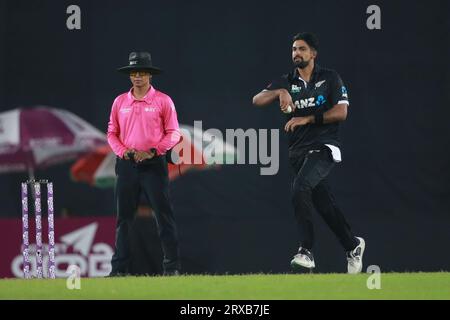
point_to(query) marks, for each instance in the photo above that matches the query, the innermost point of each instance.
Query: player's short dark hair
(309, 38)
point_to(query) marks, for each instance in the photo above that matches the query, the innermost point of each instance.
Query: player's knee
(300, 190)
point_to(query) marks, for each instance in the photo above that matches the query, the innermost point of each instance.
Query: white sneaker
(355, 256)
(304, 259)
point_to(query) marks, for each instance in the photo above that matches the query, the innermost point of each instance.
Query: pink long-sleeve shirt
(143, 124)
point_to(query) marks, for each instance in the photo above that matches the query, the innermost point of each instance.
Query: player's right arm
(276, 90)
(266, 97)
(113, 134)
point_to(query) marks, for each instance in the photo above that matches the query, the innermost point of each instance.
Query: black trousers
(150, 177)
(310, 191)
(146, 251)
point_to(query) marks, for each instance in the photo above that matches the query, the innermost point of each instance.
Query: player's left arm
(337, 113)
(339, 99)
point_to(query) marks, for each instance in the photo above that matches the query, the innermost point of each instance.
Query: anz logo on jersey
(310, 102)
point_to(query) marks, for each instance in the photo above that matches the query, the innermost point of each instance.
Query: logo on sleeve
(344, 92)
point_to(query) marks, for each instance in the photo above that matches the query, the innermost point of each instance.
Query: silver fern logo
(318, 84)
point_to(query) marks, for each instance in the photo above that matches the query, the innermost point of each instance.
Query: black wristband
(318, 118)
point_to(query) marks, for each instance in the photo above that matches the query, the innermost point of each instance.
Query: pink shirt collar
(147, 98)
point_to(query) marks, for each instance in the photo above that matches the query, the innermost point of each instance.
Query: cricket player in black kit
(315, 101)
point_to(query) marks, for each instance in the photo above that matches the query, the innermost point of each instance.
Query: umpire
(143, 126)
(315, 102)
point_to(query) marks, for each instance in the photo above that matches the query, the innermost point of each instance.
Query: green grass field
(239, 287)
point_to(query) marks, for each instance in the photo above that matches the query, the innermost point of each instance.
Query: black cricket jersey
(321, 93)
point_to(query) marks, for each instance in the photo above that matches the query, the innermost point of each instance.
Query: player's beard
(302, 64)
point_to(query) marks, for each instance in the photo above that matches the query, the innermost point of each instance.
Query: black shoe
(170, 273)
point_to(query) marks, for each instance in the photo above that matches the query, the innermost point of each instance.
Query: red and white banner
(85, 242)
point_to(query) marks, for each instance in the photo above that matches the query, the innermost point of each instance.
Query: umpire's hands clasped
(140, 156)
(128, 154)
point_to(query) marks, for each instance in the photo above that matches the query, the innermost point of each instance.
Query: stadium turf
(238, 287)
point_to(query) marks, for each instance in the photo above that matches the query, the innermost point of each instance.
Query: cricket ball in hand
(288, 110)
